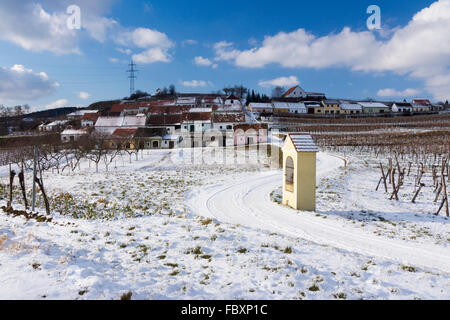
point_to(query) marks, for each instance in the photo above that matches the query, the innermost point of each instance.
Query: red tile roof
(289, 91)
(124, 133)
(197, 116)
(421, 101)
(170, 119)
(91, 117)
(168, 109)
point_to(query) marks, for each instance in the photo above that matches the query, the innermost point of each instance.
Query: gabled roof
(168, 109)
(259, 105)
(290, 91)
(124, 133)
(197, 116)
(403, 104)
(74, 132)
(372, 105)
(350, 106)
(109, 122)
(331, 101)
(90, 117)
(171, 119)
(422, 101)
(303, 142)
(288, 105)
(134, 121)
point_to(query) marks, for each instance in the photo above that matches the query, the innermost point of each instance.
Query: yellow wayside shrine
(299, 167)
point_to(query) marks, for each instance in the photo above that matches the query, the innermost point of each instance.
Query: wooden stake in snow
(12, 174)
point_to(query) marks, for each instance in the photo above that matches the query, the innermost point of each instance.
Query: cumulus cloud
(84, 95)
(19, 83)
(145, 38)
(42, 26)
(280, 82)
(152, 55)
(420, 49)
(30, 26)
(155, 43)
(196, 83)
(396, 93)
(204, 62)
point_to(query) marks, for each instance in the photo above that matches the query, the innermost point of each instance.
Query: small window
(290, 174)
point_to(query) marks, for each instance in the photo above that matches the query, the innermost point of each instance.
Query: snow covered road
(248, 203)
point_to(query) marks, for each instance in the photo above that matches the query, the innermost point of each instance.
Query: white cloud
(29, 26)
(54, 105)
(204, 62)
(420, 49)
(156, 43)
(84, 95)
(280, 82)
(396, 93)
(196, 83)
(152, 55)
(42, 26)
(125, 51)
(113, 60)
(145, 38)
(19, 83)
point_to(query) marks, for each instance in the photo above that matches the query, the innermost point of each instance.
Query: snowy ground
(172, 230)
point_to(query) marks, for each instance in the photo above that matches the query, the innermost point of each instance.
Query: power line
(132, 76)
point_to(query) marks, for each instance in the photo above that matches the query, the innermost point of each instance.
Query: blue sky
(235, 42)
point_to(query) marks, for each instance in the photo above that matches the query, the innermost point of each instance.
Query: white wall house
(70, 135)
(297, 108)
(260, 107)
(402, 107)
(295, 92)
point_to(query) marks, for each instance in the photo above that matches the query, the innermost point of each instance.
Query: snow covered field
(162, 228)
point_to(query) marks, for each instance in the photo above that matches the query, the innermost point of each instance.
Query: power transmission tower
(132, 76)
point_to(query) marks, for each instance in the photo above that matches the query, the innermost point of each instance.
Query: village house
(54, 126)
(374, 107)
(123, 138)
(286, 107)
(107, 125)
(169, 122)
(402, 107)
(422, 101)
(89, 119)
(211, 102)
(226, 121)
(187, 101)
(260, 107)
(232, 101)
(297, 108)
(313, 107)
(71, 135)
(331, 107)
(295, 92)
(196, 122)
(280, 107)
(421, 107)
(249, 134)
(350, 108)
